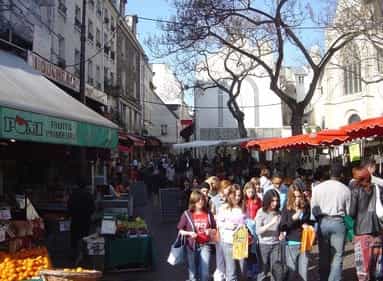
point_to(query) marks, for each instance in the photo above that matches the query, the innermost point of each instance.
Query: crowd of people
(276, 211)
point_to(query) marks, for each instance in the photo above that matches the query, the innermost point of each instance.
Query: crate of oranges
(24, 264)
(67, 274)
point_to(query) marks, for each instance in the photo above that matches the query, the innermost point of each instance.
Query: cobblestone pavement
(164, 233)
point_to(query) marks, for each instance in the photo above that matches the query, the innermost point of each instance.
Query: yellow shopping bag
(240, 243)
(308, 238)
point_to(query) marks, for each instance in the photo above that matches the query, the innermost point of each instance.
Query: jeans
(269, 254)
(235, 269)
(199, 263)
(331, 236)
(219, 274)
(296, 262)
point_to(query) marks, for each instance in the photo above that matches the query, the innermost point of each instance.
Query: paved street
(164, 233)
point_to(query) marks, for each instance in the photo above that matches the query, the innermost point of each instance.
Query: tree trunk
(241, 128)
(296, 129)
(296, 121)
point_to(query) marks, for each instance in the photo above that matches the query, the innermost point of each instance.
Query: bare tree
(226, 70)
(201, 25)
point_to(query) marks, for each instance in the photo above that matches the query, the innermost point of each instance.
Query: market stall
(123, 243)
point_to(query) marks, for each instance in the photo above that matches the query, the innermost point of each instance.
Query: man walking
(330, 203)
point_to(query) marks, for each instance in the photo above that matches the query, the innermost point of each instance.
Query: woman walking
(367, 228)
(230, 217)
(295, 217)
(267, 229)
(197, 224)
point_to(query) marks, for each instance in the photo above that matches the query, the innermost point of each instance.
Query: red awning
(124, 148)
(365, 128)
(136, 140)
(326, 137)
(152, 141)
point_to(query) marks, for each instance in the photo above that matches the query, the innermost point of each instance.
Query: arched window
(353, 118)
(352, 71)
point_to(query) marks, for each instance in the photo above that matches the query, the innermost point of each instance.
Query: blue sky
(162, 10)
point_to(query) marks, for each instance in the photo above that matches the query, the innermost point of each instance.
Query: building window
(353, 118)
(90, 72)
(164, 130)
(98, 38)
(220, 108)
(77, 62)
(352, 72)
(112, 25)
(62, 7)
(61, 59)
(111, 78)
(77, 17)
(379, 58)
(98, 83)
(90, 30)
(91, 4)
(99, 11)
(301, 79)
(106, 18)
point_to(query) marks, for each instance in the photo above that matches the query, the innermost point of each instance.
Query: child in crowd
(230, 217)
(267, 229)
(196, 224)
(295, 217)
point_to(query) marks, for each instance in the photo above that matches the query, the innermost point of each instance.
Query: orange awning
(365, 128)
(326, 137)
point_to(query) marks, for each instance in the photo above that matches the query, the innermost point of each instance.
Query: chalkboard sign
(170, 203)
(139, 193)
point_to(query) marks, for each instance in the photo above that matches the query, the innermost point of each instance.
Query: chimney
(132, 23)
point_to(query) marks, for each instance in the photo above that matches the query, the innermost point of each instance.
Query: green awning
(28, 126)
(34, 109)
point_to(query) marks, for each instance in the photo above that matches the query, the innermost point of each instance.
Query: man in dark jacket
(80, 208)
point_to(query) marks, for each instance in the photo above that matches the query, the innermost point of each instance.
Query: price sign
(240, 243)
(108, 227)
(5, 214)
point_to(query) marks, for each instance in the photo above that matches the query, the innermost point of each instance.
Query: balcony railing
(62, 8)
(77, 23)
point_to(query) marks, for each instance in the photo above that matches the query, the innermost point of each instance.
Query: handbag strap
(190, 220)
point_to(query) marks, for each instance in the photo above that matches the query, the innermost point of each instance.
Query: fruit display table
(133, 253)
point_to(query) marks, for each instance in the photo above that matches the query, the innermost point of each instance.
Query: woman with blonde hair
(230, 217)
(215, 203)
(214, 185)
(197, 224)
(295, 217)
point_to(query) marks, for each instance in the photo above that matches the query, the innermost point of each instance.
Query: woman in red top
(251, 203)
(198, 225)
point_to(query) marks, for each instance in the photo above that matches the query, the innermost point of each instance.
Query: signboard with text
(36, 127)
(54, 72)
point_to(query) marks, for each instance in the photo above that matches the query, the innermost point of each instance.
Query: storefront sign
(54, 72)
(28, 126)
(36, 127)
(186, 122)
(96, 95)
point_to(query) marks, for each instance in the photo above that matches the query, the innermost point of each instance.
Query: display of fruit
(23, 264)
